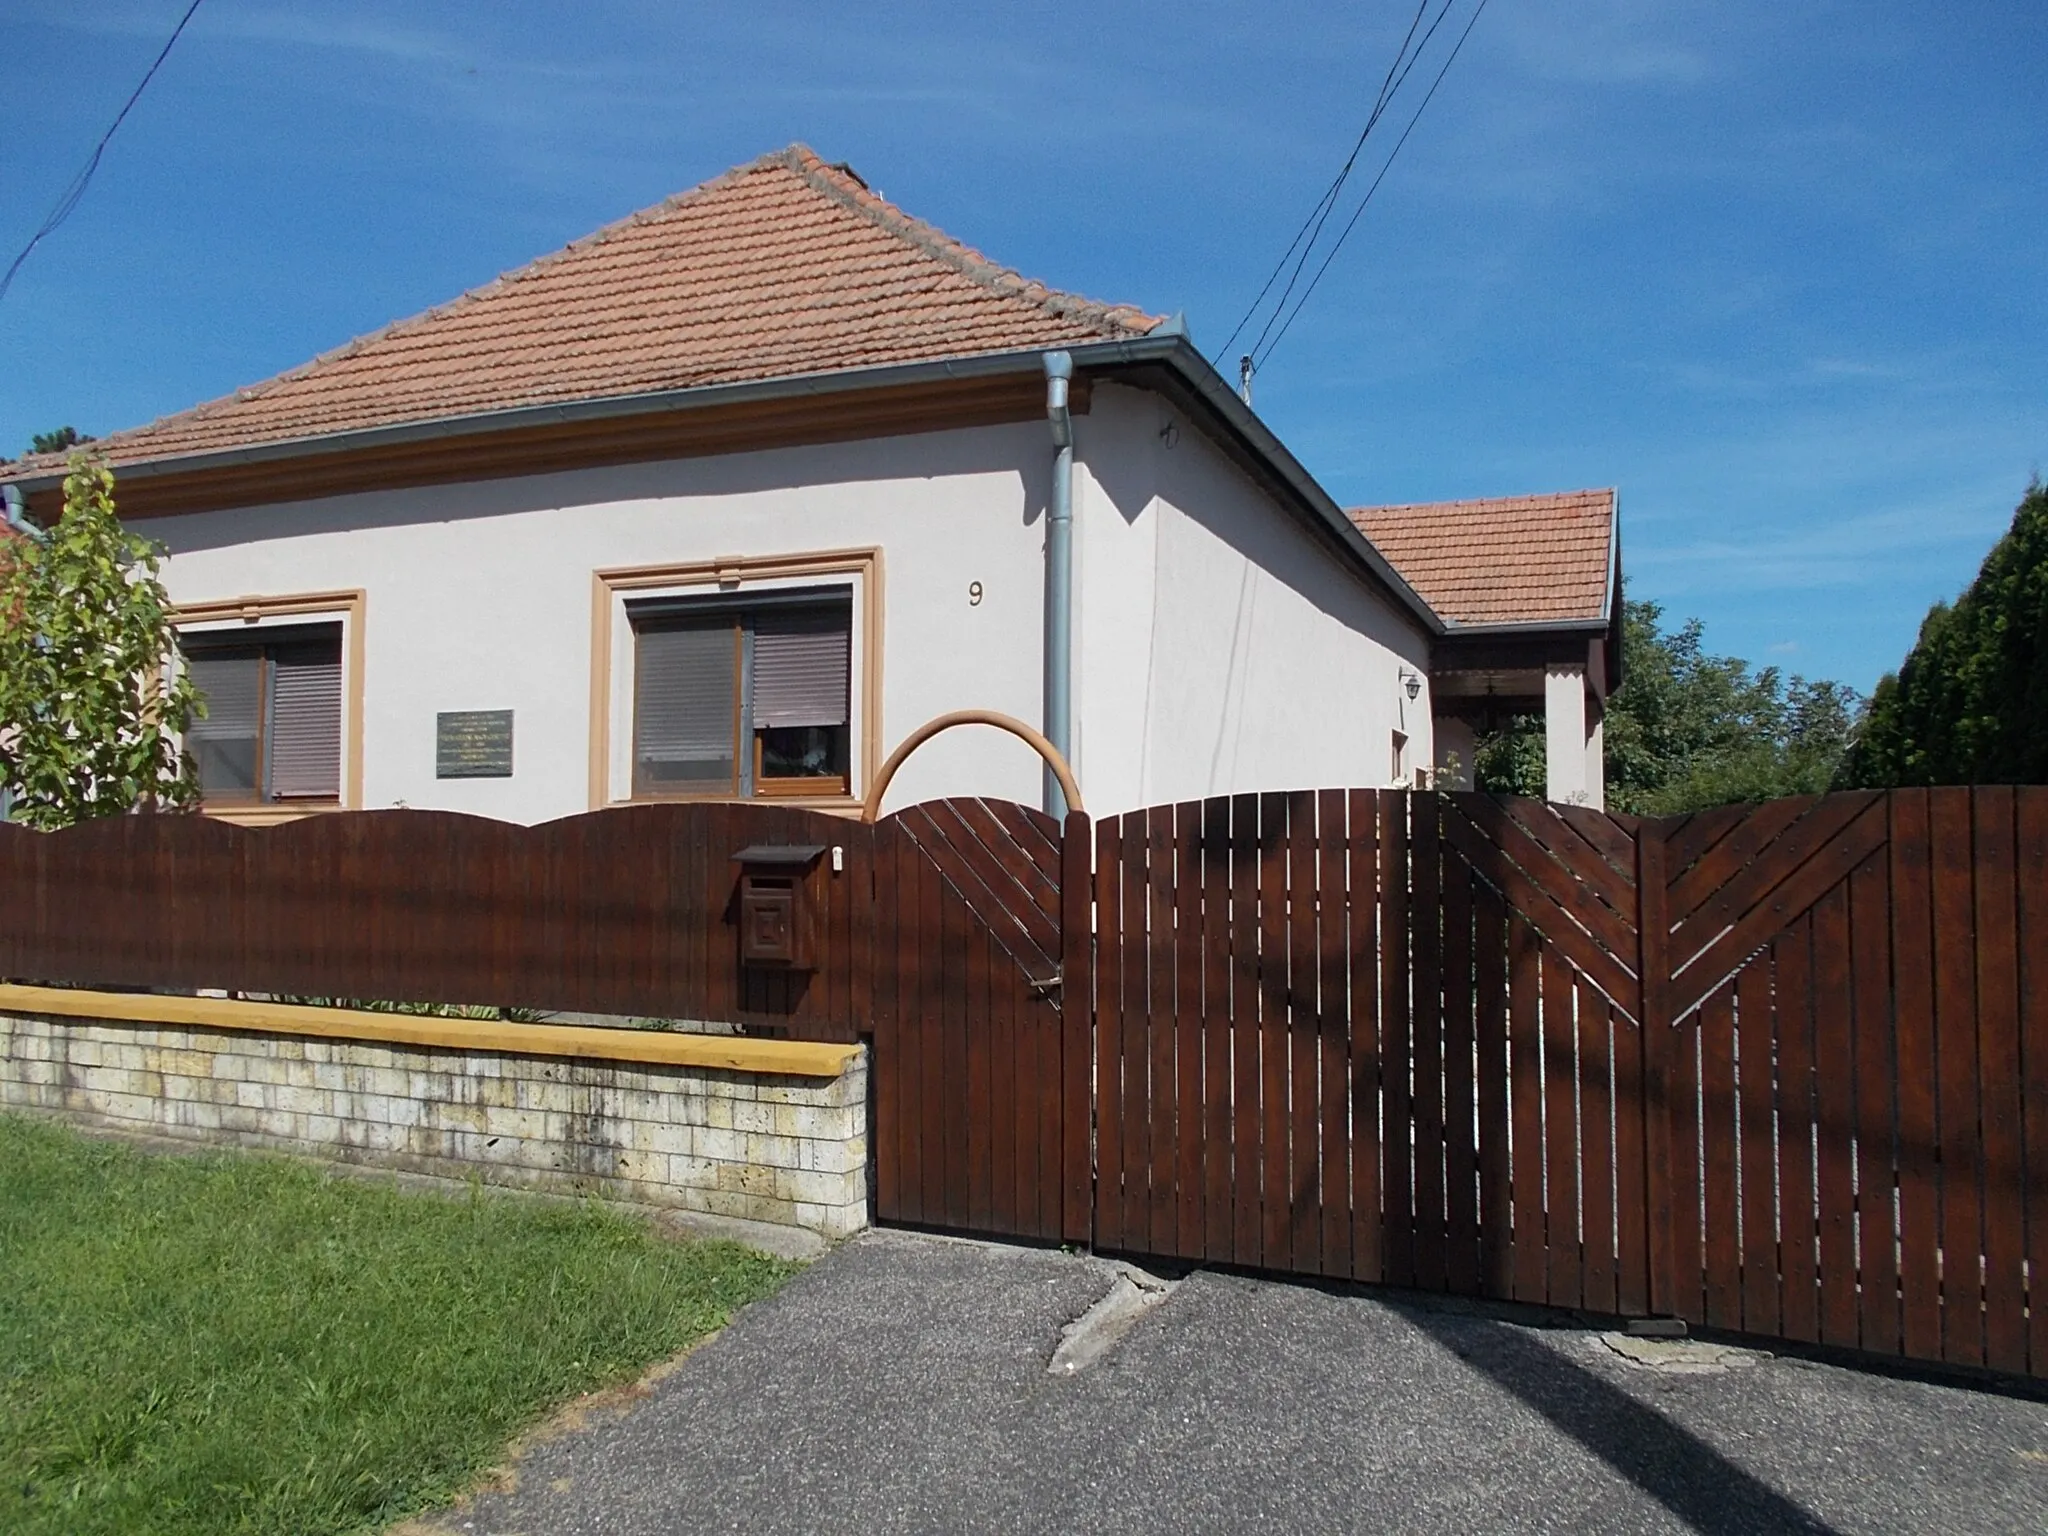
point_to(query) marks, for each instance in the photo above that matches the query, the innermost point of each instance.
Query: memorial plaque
(473, 744)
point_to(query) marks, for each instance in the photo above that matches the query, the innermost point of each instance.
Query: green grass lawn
(243, 1344)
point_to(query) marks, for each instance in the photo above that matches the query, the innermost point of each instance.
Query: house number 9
(974, 594)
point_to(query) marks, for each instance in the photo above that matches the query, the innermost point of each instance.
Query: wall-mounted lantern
(776, 927)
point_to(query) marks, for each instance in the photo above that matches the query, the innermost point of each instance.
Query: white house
(725, 500)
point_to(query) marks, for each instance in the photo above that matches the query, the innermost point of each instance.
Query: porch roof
(1506, 562)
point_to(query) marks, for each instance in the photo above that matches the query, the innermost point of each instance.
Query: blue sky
(1780, 272)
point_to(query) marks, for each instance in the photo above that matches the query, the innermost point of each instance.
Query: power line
(1329, 198)
(75, 192)
(1456, 49)
(1389, 89)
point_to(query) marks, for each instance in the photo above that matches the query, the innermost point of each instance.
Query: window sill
(835, 805)
(269, 815)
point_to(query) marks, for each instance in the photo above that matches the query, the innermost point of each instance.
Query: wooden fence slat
(1955, 1027)
(1834, 1059)
(1691, 836)
(1653, 1221)
(2000, 1075)
(1109, 1041)
(978, 1039)
(1721, 1198)
(1912, 982)
(1397, 1053)
(2032, 882)
(1496, 1190)
(1030, 855)
(1562, 1163)
(1246, 1202)
(1305, 1223)
(1332, 1036)
(1579, 857)
(1160, 1076)
(1596, 1149)
(1631, 1199)
(1756, 1145)
(1815, 873)
(1696, 882)
(1606, 953)
(1425, 919)
(893, 1124)
(1461, 1128)
(1682, 1292)
(953, 1017)
(1611, 835)
(923, 1042)
(1525, 1090)
(1190, 1222)
(1137, 1034)
(992, 881)
(1216, 1030)
(1274, 832)
(1367, 1253)
(1073, 1113)
(1798, 1230)
(1877, 1230)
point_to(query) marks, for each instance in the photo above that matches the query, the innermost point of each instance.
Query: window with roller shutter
(747, 698)
(272, 729)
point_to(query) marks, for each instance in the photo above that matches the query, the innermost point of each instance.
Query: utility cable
(74, 193)
(1388, 91)
(1349, 224)
(1329, 197)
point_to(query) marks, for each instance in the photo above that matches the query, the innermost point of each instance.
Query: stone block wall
(764, 1147)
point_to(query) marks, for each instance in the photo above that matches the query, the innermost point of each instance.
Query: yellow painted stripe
(727, 1053)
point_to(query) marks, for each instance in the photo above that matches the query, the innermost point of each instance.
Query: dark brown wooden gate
(981, 1089)
(1779, 1069)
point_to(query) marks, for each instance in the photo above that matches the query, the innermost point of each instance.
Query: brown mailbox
(775, 905)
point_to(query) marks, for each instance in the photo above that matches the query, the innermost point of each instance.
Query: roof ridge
(1475, 501)
(849, 188)
(830, 191)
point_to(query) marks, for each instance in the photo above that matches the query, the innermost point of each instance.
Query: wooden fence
(939, 936)
(1779, 1069)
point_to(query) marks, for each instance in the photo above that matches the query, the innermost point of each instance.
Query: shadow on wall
(1194, 477)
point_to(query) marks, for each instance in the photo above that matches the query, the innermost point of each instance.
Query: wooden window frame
(726, 579)
(255, 613)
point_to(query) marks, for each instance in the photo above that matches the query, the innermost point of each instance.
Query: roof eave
(1590, 625)
(1210, 395)
(601, 408)
(1205, 391)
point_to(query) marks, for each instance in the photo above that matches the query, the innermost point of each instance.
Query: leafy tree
(90, 711)
(57, 441)
(1689, 729)
(1970, 705)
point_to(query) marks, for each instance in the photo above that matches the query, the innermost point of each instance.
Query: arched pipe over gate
(1055, 760)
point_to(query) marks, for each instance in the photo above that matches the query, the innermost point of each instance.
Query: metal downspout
(1059, 576)
(15, 514)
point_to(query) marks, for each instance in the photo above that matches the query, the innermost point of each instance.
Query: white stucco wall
(479, 596)
(1222, 647)
(1218, 647)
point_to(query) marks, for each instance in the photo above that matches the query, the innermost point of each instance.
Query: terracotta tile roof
(1501, 559)
(780, 267)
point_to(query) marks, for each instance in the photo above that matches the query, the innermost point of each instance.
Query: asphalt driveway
(901, 1385)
